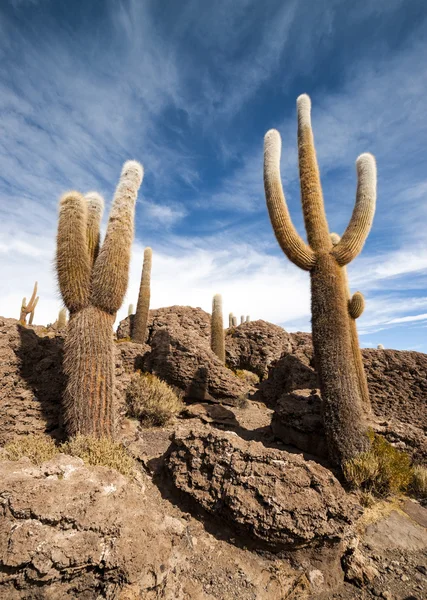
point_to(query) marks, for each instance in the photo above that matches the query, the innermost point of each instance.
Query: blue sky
(189, 89)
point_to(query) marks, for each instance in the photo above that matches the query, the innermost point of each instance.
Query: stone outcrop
(255, 345)
(276, 498)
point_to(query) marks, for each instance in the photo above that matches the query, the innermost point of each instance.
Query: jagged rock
(297, 420)
(183, 359)
(254, 346)
(277, 498)
(358, 568)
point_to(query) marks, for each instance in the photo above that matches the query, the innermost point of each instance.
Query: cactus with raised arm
(356, 306)
(217, 328)
(341, 398)
(93, 283)
(139, 332)
(28, 309)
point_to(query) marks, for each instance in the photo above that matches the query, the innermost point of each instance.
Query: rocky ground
(222, 504)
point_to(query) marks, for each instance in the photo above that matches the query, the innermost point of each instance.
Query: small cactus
(234, 322)
(380, 347)
(93, 283)
(342, 403)
(248, 319)
(130, 310)
(242, 319)
(28, 309)
(230, 320)
(217, 328)
(61, 323)
(139, 332)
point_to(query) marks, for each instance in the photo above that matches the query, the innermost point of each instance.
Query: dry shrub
(419, 481)
(38, 448)
(247, 376)
(381, 471)
(100, 452)
(152, 400)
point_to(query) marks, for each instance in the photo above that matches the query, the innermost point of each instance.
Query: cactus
(28, 309)
(142, 308)
(341, 398)
(248, 319)
(130, 310)
(380, 347)
(234, 322)
(93, 283)
(356, 306)
(61, 323)
(230, 320)
(242, 319)
(217, 328)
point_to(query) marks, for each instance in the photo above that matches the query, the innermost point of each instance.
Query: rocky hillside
(233, 499)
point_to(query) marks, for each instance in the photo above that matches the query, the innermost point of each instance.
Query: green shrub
(100, 452)
(38, 448)
(381, 471)
(152, 400)
(419, 481)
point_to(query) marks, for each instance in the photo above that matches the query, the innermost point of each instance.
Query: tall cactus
(341, 398)
(234, 321)
(28, 309)
(142, 308)
(217, 328)
(242, 319)
(93, 283)
(230, 320)
(356, 306)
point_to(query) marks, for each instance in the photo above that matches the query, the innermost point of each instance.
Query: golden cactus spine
(341, 398)
(143, 307)
(217, 328)
(28, 309)
(93, 292)
(356, 306)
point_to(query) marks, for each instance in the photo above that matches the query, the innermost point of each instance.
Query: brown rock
(254, 346)
(277, 498)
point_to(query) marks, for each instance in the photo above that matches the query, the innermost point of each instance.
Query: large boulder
(255, 345)
(276, 498)
(182, 358)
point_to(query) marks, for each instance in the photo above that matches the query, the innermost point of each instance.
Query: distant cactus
(139, 332)
(242, 319)
(234, 322)
(230, 320)
(248, 319)
(356, 306)
(341, 398)
(217, 328)
(93, 292)
(28, 309)
(61, 323)
(130, 310)
(380, 347)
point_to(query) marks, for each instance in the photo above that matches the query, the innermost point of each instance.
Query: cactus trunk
(217, 328)
(139, 333)
(89, 367)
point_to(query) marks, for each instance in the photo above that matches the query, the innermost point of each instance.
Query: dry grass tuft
(38, 448)
(381, 471)
(419, 481)
(100, 452)
(247, 376)
(152, 400)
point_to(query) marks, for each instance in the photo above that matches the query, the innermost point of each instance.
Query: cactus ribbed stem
(62, 319)
(95, 208)
(217, 328)
(130, 310)
(332, 337)
(234, 322)
(139, 333)
(230, 320)
(28, 309)
(242, 319)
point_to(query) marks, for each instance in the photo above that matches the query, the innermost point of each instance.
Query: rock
(31, 380)
(254, 346)
(183, 359)
(396, 531)
(358, 569)
(277, 498)
(298, 421)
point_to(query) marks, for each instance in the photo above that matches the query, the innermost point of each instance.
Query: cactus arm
(111, 269)
(30, 321)
(95, 208)
(72, 259)
(143, 307)
(289, 240)
(28, 309)
(316, 224)
(360, 224)
(356, 305)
